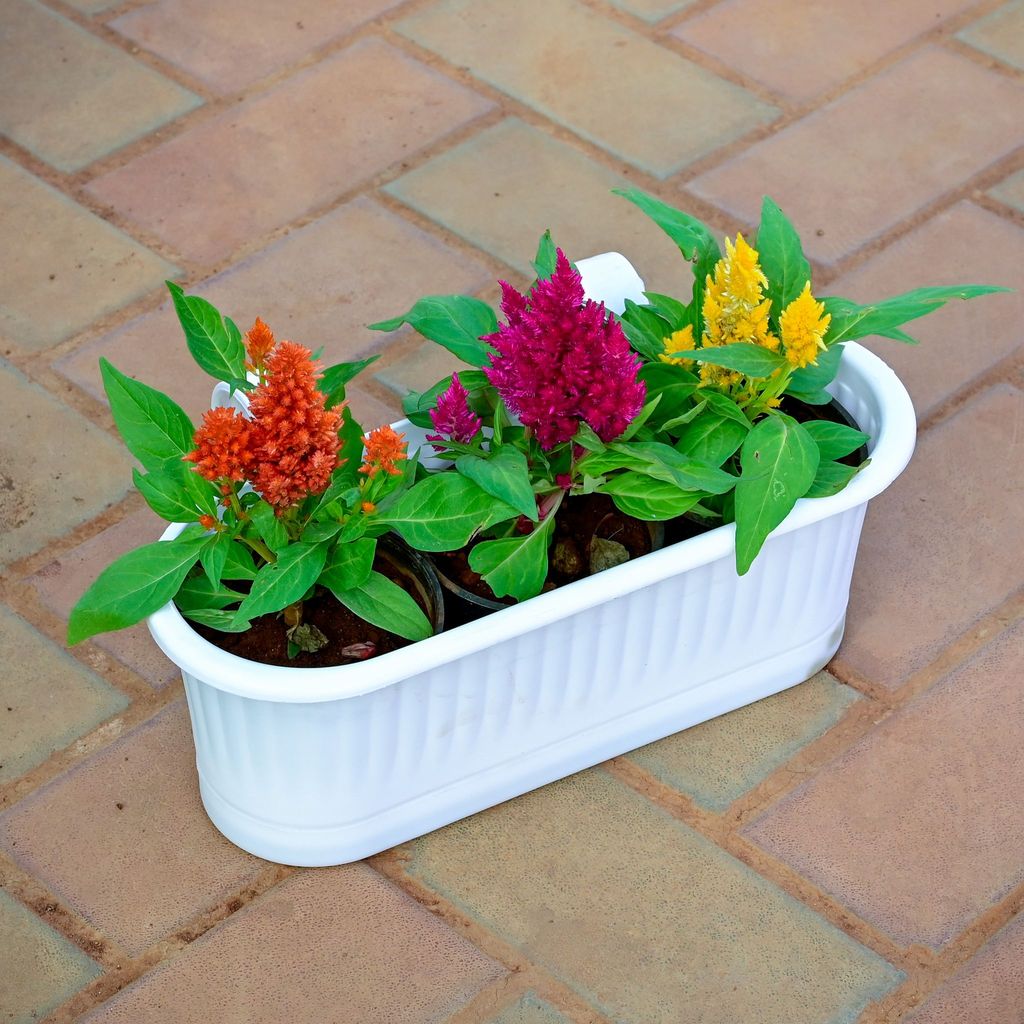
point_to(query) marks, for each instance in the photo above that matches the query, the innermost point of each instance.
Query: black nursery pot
(417, 570)
(464, 605)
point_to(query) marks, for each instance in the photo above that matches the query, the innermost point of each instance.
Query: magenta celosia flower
(452, 417)
(562, 360)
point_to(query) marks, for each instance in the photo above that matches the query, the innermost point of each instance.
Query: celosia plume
(735, 310)
(223, 446)
(384, 448)
(452, 417)
(258, 343)
(561, 360)
(296, 438)
(803, 324)
(678, 343)
(288, 448)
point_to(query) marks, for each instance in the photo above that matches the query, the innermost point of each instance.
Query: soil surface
(267, 640)
(578, 521)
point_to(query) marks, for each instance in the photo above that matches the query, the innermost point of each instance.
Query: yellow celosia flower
(803, 324)
(735, 309)
(680, 341)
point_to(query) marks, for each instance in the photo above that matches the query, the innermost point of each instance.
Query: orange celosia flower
(369, 508)
(295, 438)
(384, 448)
(207, 522)
(223, 446)
(258, 344)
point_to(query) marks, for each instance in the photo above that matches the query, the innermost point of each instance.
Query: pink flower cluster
(562, 360)
(452, 417)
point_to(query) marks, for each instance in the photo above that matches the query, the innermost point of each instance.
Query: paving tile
(919, 828)
(937, 551)
(419, 370)
(964, 339)
(918, 135)
(230, 46)
(41, 968)
(319, 285)
(162, 861)
(1000, 34)
(90, 6)
(312, 137)
(57, 281)
(530, 1010)
(646, 919)
(651, 84)
(834, 40)
(988, 990)
(47, 699)
(515, 181)
(56, 469)
(370, 411)
(337, 944)
(71, 98)
(652, 10)
(61, 582)
(1011, 191)
(720, 760)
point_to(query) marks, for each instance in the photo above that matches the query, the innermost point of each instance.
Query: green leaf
(851, 320)
(677, 314)
(688, 474)
(214, 557)
(751, 360)
(224, 621)
(545, 260)
(443, 512)
(456, 322)
(216, 346)
(645, 330)
(641, 418)
(504, 475)
(199, 592)
(383, 603)
(164, 491)
(238, 565)
(586, 437)
(285, 581)
(710, 438)
(781, 256)
(834, 440)
(515, 566)
(349, 565)
(832, 477)
(334, 378)
(689, 416)
(154, 428)
(270, 529)
(815, 377)
(778, 463)
(646, 498)
(673, 385)
(135, 586)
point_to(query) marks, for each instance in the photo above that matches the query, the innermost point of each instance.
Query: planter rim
(891, 447)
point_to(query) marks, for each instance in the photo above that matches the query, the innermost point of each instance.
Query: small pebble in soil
(606, 553)
(566, 558)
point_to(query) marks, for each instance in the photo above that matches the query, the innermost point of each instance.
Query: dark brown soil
(267, 640)
(578, 520)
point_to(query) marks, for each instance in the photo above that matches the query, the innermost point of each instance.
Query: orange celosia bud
(384, 448)
(207, 522)
(258, 343)
(369, 507)
(223, 446)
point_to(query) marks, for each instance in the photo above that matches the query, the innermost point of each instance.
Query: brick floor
(71, 98)
(323, 165)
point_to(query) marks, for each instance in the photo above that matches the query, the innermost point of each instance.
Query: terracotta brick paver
(41, 968)
(70, 98)
(576, 91)
(296, 148)
(918, 828)
(337, 941)
(846, 852)
(918, 135)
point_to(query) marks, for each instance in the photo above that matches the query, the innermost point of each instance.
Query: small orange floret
(258, 343)
(223, 446)
(369, 508)
(207, 522)
(384, 447)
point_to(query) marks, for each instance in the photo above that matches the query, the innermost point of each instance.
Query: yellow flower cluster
(803, 324)
(736, 311)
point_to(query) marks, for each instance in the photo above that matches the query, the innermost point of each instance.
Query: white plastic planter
(323, 766)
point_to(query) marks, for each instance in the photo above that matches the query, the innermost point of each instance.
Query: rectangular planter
(325, 766)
